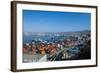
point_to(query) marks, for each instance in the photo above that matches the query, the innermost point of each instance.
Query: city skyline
(47, 21)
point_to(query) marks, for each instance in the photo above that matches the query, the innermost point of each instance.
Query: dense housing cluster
(60, 46)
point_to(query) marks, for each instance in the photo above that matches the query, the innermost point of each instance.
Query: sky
(51, 21)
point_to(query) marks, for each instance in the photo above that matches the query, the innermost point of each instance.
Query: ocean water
(28, 39)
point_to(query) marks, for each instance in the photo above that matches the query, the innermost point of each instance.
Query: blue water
(28, 39)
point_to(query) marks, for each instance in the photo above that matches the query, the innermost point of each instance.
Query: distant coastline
(71, 32)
